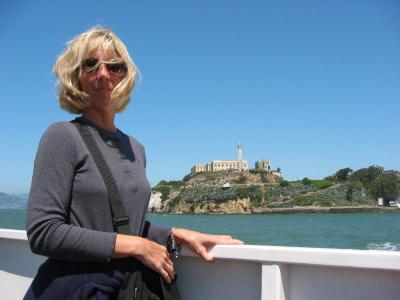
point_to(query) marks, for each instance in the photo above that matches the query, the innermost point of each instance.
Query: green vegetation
(210, 176)
(303, 201)
(241, 180)
(306, 181)
(374, 179)
(174, 202)
(343, 174)
(193, 175)
(385, 186)
(331, 178)
(164, 187)
(219, 194)
(321, 184)
(253, 192)
(263, 174)
(164, 190)
(284, 183)
(367, 175)
(263, 177)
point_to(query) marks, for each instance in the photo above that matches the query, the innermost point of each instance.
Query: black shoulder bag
(141, 282)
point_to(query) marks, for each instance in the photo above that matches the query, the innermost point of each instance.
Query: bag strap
(119, 216)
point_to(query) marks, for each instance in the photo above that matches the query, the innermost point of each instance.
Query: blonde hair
(68, 69)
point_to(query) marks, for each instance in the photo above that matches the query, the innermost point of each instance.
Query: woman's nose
(102, 72)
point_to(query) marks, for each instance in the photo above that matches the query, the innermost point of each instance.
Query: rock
(155, 204)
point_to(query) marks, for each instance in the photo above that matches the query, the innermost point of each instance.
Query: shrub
(321, 184)
(210, 176)
(241, 180)
(349, 193)
(306, 181)
(284, 183)
(187, 177)
(263, 178)
(174, 202)
(304, 201)
(175, 183)
(255, 194)
(331, 178)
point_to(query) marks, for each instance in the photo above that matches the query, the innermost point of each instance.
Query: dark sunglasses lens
(117, 68)
(90, 64)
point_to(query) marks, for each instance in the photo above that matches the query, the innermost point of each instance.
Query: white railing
(245, 272)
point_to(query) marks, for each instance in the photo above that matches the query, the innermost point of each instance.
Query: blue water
(342, 230)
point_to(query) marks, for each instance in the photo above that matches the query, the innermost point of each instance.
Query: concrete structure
(245, 272)
(263, 165)
(221, 165)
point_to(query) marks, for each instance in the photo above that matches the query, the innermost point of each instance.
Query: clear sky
(313, 86)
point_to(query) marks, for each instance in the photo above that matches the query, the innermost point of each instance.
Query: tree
(306, 181)
(367, 175)
(343, 174)
(385, 186)
(278, 170)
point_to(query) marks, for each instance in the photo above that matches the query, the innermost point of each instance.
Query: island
(248, 191)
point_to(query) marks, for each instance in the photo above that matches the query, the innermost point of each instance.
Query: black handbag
(140, 282)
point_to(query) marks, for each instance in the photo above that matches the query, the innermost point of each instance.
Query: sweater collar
(118, 135)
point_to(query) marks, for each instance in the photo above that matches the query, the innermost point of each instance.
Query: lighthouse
(240, 156)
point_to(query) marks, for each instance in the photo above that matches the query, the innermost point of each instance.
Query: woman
(69, 218)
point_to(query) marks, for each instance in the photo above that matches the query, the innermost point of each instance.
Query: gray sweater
(69, 215)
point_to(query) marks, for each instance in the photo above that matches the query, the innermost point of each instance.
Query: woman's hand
(149, 253)
(201, 243)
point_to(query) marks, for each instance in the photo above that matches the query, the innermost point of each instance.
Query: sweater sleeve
(157, 233)
(48, 229)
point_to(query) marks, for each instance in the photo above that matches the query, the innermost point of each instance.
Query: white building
(221, 165)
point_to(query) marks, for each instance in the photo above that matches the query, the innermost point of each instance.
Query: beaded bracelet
(173, 247)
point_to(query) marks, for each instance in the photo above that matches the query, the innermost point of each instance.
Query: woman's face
(99, 80)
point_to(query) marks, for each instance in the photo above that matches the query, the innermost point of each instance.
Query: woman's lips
(103, 90)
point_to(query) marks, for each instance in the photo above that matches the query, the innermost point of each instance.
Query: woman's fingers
(200, 243)
(169, 269)
(229, 241)
(165, 275)
(205, 255)
(157, 258)
(225, 236)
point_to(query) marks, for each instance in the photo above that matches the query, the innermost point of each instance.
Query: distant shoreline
(336, 209)
(305, 209)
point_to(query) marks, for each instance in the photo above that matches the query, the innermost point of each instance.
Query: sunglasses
(93, 64)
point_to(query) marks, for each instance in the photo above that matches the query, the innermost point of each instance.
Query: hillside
(13, 201)
(250, 192)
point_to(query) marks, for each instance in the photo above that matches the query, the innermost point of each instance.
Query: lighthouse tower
(240, 156)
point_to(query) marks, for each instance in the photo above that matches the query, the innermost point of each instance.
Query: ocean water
(340, 230)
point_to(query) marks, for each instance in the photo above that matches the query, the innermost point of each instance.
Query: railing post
(274, 279)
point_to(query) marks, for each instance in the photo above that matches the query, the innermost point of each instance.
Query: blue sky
(311, 85)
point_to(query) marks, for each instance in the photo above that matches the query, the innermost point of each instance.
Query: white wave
(384, 246)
